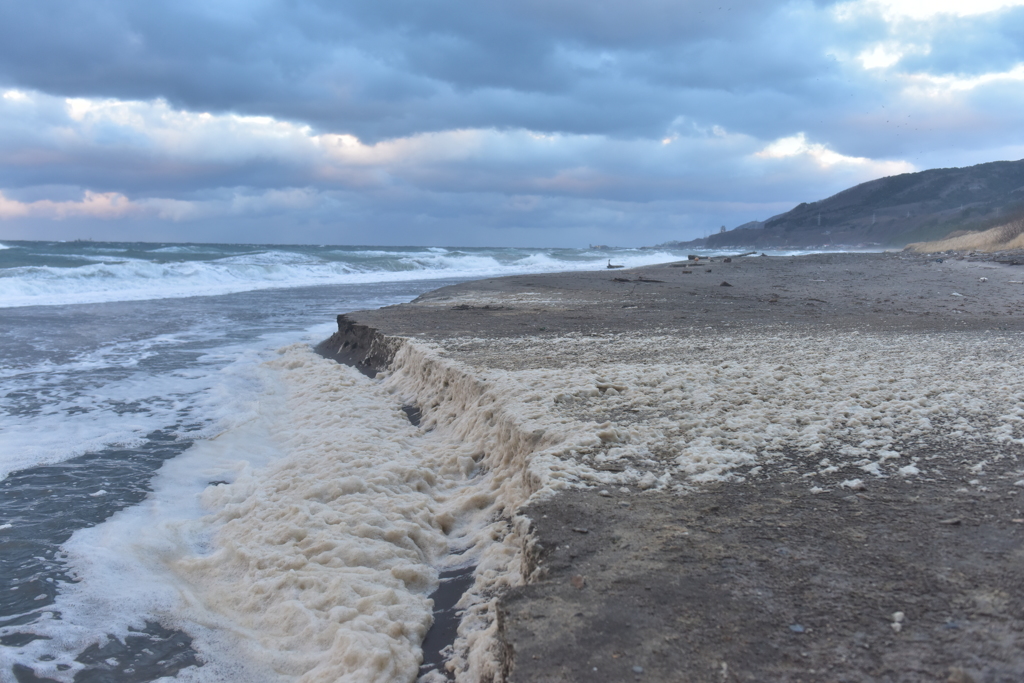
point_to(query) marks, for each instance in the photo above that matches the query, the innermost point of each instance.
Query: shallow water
(96, 397)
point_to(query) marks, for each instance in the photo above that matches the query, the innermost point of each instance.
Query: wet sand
(788, 567)
(890, 292)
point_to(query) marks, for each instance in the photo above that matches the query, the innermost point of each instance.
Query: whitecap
(134, 278)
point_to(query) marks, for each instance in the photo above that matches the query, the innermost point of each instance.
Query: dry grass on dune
(1008, 236)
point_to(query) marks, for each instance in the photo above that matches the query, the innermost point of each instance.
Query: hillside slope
(894, 211)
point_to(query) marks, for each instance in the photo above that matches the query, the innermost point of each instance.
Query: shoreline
(637, 546)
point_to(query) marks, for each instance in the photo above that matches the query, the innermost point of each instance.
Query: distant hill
(892, 211)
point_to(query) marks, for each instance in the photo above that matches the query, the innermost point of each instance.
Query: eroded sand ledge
(742, 482)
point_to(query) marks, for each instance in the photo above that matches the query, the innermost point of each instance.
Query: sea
(128, 374)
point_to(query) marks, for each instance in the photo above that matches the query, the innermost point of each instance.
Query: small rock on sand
(958, 675)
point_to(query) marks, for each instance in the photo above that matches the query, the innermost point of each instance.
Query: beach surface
(775, 468)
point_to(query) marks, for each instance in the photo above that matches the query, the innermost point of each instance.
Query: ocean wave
(183, 249)
(133, 279)
(270, 258)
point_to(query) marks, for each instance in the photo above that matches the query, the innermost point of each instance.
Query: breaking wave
(48, 275)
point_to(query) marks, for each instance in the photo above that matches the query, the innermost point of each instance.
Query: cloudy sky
(502, 123)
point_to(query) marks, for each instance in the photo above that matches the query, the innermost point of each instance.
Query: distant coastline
(887, 213)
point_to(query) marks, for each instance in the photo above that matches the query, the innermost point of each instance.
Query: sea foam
(187, 270)
(314, 560)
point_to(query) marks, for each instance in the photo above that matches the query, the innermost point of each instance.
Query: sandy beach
(769, 469)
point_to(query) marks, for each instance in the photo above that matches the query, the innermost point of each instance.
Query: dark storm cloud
(571, 120)
(397, 67)
(381, 69)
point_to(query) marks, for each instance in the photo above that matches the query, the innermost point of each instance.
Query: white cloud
(945, 85)
(114, 205)
(879, 57)
(92, 205)
(886, 54)
(922, 9)
(797, 146)
(180, 133)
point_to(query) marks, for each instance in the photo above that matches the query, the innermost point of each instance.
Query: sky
(547, 123)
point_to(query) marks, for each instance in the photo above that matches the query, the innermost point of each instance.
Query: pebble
(604, 492)
(796, 628)
(958, 675)
(897, 622)
(638, 669)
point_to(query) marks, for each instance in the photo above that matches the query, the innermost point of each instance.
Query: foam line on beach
(702, 408)
(315, 560)
(604, 412)
(303, 544)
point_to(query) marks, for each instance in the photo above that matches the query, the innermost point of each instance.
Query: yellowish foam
(316, 562)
